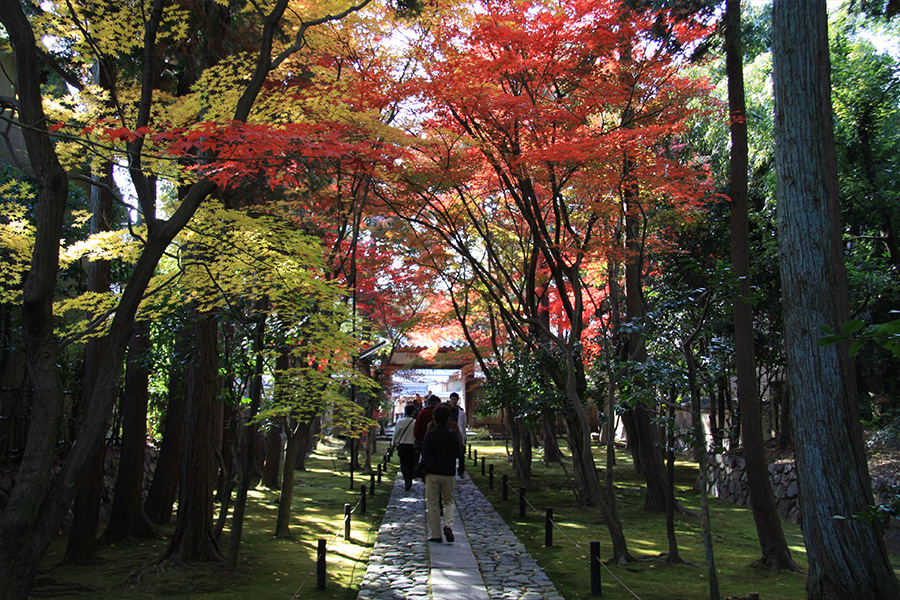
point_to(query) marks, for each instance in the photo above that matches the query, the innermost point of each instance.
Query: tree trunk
(307, 443)
(274, 447)
(700, 451)
(651, 458)
(775, 552)
(548, 429)
(161, 497)
(521, 454)
(673, 555)
(20, 555)
(247, 440)
(82, 544)
(847, 557)
(85, 513)
(127, 518)
(645, 445)
(194, 539)
(283, 522)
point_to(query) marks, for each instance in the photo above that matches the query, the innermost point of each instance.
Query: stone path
(485, 562)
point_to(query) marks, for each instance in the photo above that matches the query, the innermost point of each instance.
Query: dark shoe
(448, 533)
(435, 540)
(408, 486)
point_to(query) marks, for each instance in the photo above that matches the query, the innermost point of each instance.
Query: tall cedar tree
(847, 556)
(775, 553)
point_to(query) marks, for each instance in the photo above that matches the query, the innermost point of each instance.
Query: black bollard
(372, 486)
(379, 473)
(362, 500)
(595, 569)
(548, 529)
(482, 466)
(351, 479)
(320, 565)
(470, 451)
(522, 502)
(347, 511)
(490, 477)
(505, 485)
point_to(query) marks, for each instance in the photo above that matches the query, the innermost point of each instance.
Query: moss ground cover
(269, 568)
(280, 568)
(567, 562)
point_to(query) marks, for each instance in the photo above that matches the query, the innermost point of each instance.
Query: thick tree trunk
(194, 539)
(307, 443)
(82, 545)
(20, 554)
(775, 552)
(651, 458)
(127, 518)
(161, 497)
(274, 448)
(847, 557)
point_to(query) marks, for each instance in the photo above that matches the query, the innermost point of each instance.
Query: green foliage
(16, 237)
(520, 383)
(886, 335)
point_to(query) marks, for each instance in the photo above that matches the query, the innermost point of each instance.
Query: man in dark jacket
(440, 451)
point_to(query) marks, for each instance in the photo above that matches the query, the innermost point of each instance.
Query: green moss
(567, 563)
(268, 568)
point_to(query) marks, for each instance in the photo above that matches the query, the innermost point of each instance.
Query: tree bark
(20, 555)
(86, 511)
(775, 552)
(673, 555)
(161, 496)
(194, 538)
(645, 445)
(283, 521)
(847, 557)
(247, 441)
(127, 518)
(700, 451)
(274, 448)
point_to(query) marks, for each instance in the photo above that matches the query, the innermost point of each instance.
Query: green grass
(269, 568)
(278, 568)
(735, 545)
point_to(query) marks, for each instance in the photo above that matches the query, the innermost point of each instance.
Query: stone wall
(110, 472)
(728, 481)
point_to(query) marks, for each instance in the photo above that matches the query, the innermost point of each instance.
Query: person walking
(424, 418)
(402, 441)
(458, 416)
(439, 453)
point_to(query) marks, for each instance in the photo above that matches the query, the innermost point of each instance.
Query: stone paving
(402, 566)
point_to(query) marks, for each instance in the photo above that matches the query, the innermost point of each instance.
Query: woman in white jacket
(403, 441)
